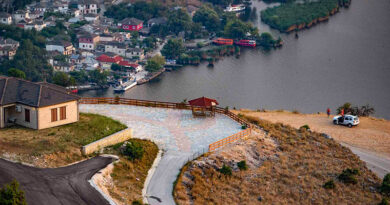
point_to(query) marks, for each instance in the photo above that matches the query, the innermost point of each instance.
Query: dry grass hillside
(287, 166)
(371, 134)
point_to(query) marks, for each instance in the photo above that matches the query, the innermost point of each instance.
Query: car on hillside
(347, 120)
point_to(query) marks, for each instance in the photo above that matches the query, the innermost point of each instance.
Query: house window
(27, 115)
(63, 113)
(54, 114)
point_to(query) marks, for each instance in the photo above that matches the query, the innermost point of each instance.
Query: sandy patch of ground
(371, 134)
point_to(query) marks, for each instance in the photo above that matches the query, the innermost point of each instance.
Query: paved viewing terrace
(177, 132)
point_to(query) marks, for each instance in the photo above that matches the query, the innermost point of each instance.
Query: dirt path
(66, 185)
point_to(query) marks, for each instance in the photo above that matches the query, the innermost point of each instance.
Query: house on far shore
(5, 18)
(131, 24)
(64, 47)
(35, 105)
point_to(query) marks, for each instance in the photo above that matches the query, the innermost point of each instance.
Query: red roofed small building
(131, 24)
(106, 61)
(128, 64)
(203, 106)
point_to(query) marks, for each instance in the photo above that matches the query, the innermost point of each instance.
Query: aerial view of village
(164, 102)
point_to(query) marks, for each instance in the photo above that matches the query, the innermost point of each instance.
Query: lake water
(344, 60)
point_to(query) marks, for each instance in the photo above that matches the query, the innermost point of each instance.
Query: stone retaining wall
(115, 138)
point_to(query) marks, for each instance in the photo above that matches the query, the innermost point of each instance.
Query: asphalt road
(65, 185)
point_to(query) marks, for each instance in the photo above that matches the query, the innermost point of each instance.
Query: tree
(266, 40)
(178, 21)
(116, 67)
(385, 188)
(79, 76)
(155, 63)
(173, 49)
(16, 73)
(99, 77)
(134, 150)
(10, 194)
(236, 29)
(149, 42)
(63, 79)
(207, 16)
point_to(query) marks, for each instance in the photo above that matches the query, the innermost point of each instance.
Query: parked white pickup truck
(348, 120)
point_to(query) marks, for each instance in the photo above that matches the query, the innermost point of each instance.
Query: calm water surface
(344, 60)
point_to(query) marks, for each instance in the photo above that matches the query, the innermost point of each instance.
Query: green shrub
(384, 202)
(11, 194)
(133, 151)
(385, 188)
(226, 170)
(348, 176)
(136, 202)
(243, 127)
(242, 165)
(305, 127)
(329, 185)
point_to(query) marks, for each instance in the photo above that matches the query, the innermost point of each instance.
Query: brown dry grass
(292, 171)
(57, 146)
(371, 134)
(129, 176)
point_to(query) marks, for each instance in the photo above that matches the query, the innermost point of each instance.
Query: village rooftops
(60, 43)
(4, 15)
(138, 50)
(131, 21)
(15, 90)
(86, 2)
(8, 41)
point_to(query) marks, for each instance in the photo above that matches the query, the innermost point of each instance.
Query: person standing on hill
(328, 112)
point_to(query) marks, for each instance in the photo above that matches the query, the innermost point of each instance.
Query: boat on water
(223, 41)
(247, 43)
(125, 86)
(235, 8)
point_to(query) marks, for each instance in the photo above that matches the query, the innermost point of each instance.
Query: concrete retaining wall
(115, 138)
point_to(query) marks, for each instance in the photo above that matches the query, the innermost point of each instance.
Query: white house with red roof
(128, 64)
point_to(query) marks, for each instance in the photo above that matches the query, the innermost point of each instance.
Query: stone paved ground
(177, 132)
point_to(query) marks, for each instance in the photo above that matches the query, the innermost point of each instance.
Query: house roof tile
(15, 90)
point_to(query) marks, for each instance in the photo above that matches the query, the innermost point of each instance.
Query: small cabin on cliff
(35, 105)
(203, 106)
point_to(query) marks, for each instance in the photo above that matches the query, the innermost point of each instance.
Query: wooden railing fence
(171, 105)
(230, 139)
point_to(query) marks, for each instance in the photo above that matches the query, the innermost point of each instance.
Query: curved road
(65, 185)
(378, 164)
